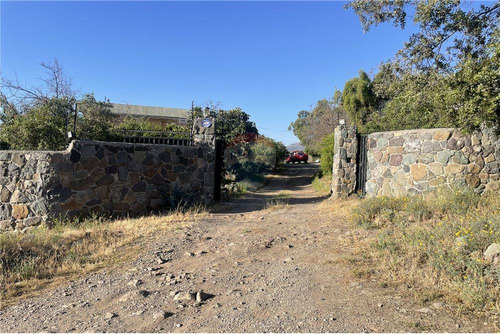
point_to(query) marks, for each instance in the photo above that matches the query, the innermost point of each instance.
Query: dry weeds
(278, 202)
(42, 256)
(431, 246)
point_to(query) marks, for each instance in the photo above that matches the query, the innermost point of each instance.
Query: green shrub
(43, 126)
(251, 170)
(326, 151)
(143, 124)
(322, 184)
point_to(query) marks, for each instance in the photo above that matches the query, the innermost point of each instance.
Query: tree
(56, 84)
(449, 33)
(36, 117)
(312, 126)
(446, 74)
(95, 120)
(358, 100)
(326, 159)
(300, 128)
(231, 124)
(474, 91)
(41, 127)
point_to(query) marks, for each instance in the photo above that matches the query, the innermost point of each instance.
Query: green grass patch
(322, 184)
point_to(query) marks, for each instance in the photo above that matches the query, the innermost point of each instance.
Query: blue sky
(272, 59)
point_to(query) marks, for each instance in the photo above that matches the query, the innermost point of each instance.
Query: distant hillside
(295, 147)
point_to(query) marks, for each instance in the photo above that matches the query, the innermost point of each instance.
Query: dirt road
(261, 270)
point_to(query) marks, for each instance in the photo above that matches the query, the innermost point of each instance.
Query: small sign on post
(206, 123)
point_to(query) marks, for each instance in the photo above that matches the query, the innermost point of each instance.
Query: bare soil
(261, 270)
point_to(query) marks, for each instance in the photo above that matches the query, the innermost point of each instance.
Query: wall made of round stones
(344, 161)
(416, 161)
(101, 177)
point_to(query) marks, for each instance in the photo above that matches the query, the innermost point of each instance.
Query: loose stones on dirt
(110, 315)
(492, 253)
(161, 315)
(134, 294)
(425, 310)
(201, 296)
(135, 282)
(184, 296)
(437, 305)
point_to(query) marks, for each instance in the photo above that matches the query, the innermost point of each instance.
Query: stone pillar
(204, 135)
(204, 131)
(344, 161)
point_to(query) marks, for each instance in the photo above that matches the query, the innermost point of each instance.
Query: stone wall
(100, 177)
(344, 161)
(416, 161)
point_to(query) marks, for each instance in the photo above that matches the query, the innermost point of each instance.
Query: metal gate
(361, 165)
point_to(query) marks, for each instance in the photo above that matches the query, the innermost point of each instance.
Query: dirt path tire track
(268, 271)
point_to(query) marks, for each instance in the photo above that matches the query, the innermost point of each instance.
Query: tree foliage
(40, 128)
(446, 75)
(95, 120)
(233, 123)
(312, 126)
(144, 124)
(36, 117)
(358, 99)
(251, 160)
(326, 159)
(450, 30)
(43, 126)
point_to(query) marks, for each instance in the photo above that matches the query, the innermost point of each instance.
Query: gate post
(344, 161)
(204, 135)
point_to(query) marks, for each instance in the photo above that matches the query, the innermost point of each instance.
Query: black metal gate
(361, 165)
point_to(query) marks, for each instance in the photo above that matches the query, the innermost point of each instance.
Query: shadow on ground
(293, 179)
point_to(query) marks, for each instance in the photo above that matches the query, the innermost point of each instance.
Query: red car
(297, 156)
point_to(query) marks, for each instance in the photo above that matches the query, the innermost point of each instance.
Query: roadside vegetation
(278, 201)
(434, 246)
(322, 184)
(446, 75)
(146, 128)
(249, 161)
(43, 256)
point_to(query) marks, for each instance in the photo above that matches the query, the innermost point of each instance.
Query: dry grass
(322, 184)
(339, 207)
(41, 257)
(433, 246)
(278, 202)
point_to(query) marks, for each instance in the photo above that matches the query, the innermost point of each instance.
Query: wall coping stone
(411, 131)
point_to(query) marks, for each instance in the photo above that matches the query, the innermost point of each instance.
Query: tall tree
(358, 99)
(450, 30)
(312, 126)
(446, 74)
(55, 84)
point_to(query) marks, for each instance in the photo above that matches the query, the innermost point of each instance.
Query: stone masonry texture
(416, 161)
(344, 161)
(102, 178)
